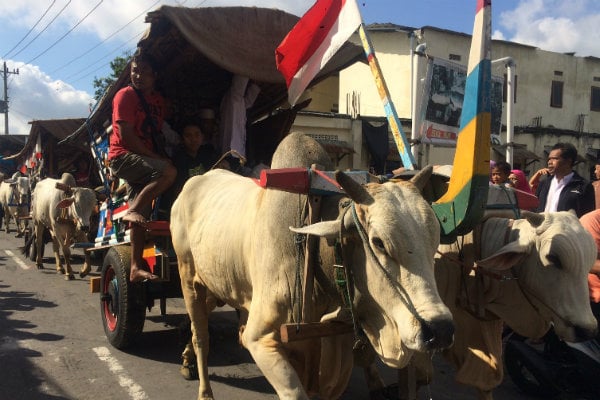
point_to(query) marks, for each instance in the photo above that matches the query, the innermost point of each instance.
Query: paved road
(53, 347)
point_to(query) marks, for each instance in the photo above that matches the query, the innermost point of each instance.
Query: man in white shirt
(562, 188)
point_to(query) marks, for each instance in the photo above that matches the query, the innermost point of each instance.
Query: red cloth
(127, 107)
(522, 182)
(316, 37)
(591, 223)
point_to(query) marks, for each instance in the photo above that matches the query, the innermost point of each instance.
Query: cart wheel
(122, 304)
(524, 374)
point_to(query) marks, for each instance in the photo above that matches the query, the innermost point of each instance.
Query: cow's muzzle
(437, 334)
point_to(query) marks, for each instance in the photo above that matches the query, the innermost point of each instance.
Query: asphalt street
(53, 347)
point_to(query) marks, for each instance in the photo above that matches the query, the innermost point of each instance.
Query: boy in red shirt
(135, 154)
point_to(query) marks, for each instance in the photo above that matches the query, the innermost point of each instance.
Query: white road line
(135, 391)
(17, 260)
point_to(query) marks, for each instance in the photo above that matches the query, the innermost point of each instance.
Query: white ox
(65, 212)
(232, 239)
(14, 196)
(527, 274)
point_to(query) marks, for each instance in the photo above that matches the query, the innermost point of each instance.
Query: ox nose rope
(402, 293)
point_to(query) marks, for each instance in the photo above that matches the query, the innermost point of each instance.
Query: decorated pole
(402, 143)
(462, 206)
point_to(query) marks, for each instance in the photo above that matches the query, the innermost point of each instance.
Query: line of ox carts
(328, 270)
(372, 291)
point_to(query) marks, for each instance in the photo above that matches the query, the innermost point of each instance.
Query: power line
(99, 60)
(30, 30)
(110, 36)
(63, 36)
(43, 30)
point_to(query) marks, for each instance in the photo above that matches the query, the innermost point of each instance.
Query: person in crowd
(500, 173)
(561, 188)
(195, 156)
(596, 183)
(82, 172)
(591, 223)
(517, 180)
(135, 153)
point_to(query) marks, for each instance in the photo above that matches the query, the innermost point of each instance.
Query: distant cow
(14, 196)
(232, 239)
(65, 210)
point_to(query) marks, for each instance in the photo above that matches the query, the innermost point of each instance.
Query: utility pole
(4, 103)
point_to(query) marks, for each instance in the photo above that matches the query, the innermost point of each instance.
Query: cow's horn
(354, 189)
(422, 177)
(535, 219)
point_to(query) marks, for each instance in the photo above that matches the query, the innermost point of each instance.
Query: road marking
(135, 391)
(17, 260)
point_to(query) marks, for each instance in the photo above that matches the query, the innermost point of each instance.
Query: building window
(556, 96)
(504, 86)
(454, 57)
(558, 73)
(595, 99)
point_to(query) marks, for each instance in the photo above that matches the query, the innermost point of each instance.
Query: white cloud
(554, 25)
(33, 94)
(36, 96)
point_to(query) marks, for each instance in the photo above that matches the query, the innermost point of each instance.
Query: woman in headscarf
(518, 180)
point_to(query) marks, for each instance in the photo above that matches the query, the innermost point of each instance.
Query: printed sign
(442, 102)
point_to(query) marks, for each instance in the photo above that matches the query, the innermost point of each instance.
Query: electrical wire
(30, 30)
(99, 60)
(43, 30)
(110, 36)
(63, 36)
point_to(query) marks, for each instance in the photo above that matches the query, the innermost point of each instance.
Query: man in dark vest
(561, 188)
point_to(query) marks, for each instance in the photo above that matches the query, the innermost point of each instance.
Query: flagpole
(402, 143)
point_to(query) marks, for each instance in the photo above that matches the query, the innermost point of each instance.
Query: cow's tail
(28, 243)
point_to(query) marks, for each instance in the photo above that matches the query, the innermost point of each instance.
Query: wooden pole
(402, 143)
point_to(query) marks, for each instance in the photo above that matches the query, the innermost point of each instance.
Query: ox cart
(198, 54)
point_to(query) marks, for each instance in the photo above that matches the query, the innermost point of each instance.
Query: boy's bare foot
(140, 275)
(135, 217)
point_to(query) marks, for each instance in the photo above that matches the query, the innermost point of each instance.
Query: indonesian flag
(316, 37)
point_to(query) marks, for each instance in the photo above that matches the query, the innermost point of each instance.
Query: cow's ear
(507, 257)
(65, 203)
(325, 229)
(422, 177)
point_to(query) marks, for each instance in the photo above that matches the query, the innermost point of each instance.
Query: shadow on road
(15, 365)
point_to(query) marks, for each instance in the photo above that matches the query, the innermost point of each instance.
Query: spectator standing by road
(596, 183)
(560, 187)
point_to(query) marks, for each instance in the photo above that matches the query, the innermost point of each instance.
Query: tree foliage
(117, 66)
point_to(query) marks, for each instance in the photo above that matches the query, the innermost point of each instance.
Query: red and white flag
(316, 37)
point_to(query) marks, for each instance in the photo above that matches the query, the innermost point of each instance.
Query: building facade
(556, 96)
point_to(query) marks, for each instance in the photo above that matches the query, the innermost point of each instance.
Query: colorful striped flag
(462, 206)
(316, 37)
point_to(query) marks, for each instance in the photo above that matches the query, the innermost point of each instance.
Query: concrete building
(557, 96)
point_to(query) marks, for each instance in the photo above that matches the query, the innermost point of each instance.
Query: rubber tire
(122, 303)
(522, 377)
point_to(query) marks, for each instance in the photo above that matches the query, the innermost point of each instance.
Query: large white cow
(65, 210)
(14, 196)
(525, 273)
(232, 239)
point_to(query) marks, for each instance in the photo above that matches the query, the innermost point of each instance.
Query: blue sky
(59, 46)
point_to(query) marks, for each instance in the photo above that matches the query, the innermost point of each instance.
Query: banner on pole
(442, 102)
